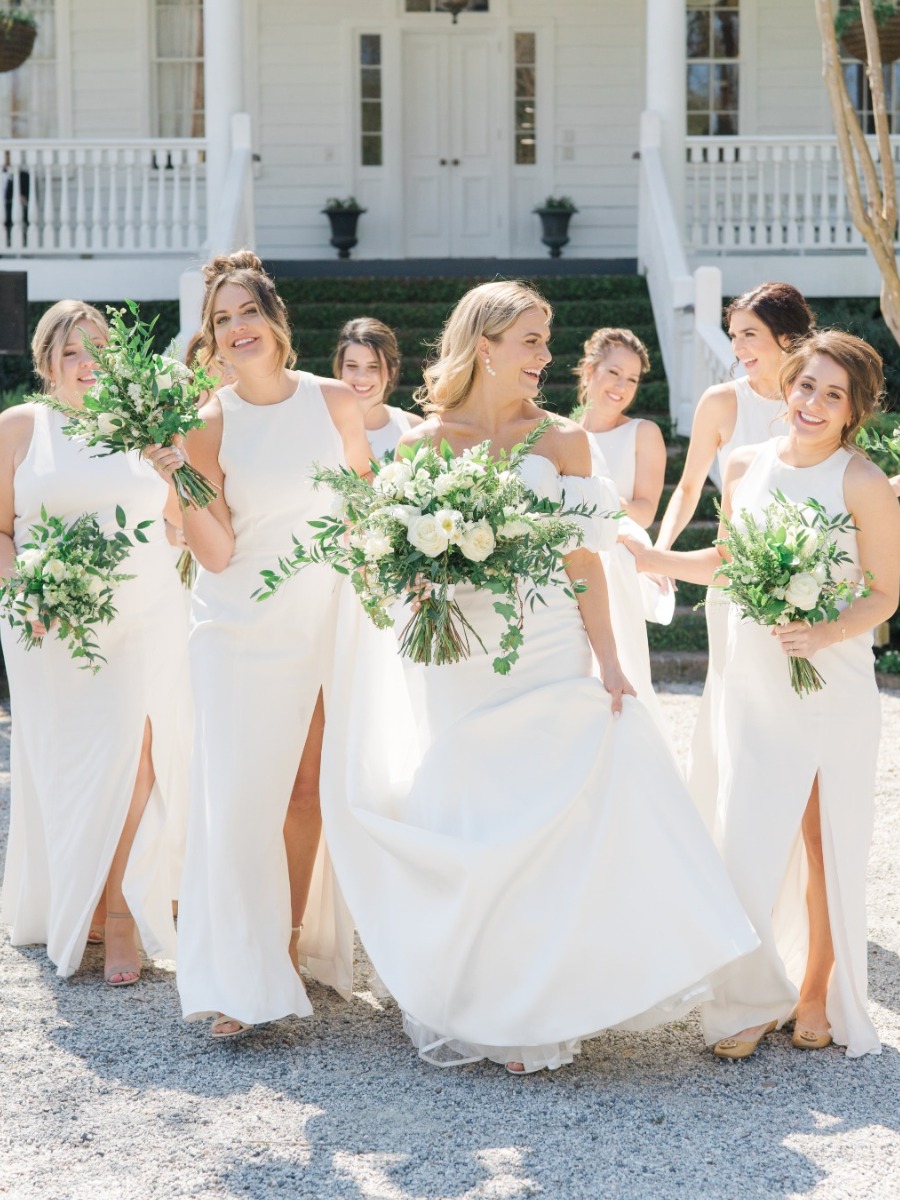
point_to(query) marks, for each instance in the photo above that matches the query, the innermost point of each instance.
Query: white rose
(445, 484)
(477, 542)
(820, 573)
(94, 585)
(28, 560)
(392, 479)
(425, 534)
(803, 591)
(515, 527)
(107, 424)
(56, 569)
(404, 513)
(450, 522)
(377, 545)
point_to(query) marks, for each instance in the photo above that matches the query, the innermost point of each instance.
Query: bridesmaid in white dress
(255, 872)
(634, 454)
(522, 860)
(797, 777)
(99, 762)
(367, 359)
(763, 325)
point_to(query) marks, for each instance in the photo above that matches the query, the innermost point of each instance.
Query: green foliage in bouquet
(786, 569)
(431, 521)
(880, 439)
(66, 576)
(141, 399)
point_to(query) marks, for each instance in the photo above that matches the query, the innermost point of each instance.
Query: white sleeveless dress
(257, 669)
(76, 737)
(384, 440)
(633, 598)
(774, 743)
(758, 419)
(524, 870)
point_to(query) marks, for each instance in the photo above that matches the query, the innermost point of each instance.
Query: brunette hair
(864, 372)
(781, 308)
(485, 311)
(598, 346)
(375, 336)
(246, 270)
(54, 330)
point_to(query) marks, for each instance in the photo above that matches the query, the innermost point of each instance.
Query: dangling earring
(487, 365)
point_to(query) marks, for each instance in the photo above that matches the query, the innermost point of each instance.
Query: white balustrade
(104, 197)
(766, 194)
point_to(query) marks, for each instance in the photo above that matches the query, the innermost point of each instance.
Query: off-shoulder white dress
(524, 869)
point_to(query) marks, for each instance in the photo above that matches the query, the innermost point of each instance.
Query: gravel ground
(106, 1093)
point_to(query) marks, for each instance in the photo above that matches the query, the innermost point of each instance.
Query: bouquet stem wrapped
(141, 399)
(65, 576)
(784, 568)
(430, 521)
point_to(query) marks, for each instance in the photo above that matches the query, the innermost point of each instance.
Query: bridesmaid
(797, 773)
(763, 325)
(634, 453)
(91, 835)
(367, 359)
(254, 857)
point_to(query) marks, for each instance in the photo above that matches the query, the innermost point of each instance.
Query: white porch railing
(687, 308)
(103, 198)
(769, 194)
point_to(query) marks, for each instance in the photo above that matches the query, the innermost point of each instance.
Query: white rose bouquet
(430, 521)
(65, 576)
(140, 399)
(785, 569)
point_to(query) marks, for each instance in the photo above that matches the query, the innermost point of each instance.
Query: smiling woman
(367, 359)
(795, 803)
(257, 895)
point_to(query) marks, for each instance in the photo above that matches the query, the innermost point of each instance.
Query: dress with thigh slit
(76, 737)
(773, 745)
(257, 669)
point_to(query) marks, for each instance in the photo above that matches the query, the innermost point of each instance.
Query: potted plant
(343, 215)
(18, 29)
(849, 29)
(555, 214)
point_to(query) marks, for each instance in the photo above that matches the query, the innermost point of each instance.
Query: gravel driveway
(106, 1093)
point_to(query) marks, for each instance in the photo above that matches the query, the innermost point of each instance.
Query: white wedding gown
(524, 870)
(773, 744)
(76, 737)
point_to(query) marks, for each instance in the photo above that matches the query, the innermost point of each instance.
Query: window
(525, 99)
(713, 51)
(424, 6)
(28, 104)
(371, 146)
(178, 68)
(861, 95)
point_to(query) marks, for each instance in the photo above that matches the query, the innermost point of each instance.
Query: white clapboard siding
(109, 68)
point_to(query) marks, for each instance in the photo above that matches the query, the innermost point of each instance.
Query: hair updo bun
(244, 269)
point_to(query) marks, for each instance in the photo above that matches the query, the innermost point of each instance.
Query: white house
(142, 135)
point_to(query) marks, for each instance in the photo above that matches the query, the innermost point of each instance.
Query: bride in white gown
(523, 863)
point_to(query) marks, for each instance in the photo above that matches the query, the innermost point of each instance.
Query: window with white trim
(28, 100)
(713, 66)
(178, 103)
(371, 108)
(525, 98)
(426, 6)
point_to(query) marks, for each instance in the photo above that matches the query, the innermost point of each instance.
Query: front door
(452, 144)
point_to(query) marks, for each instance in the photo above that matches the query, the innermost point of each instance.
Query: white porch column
(667, 90)
(223, 36)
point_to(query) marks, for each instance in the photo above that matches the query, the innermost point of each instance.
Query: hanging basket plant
(18, 30)
(849, 28)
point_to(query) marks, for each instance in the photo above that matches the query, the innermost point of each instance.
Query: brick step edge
(690, 666)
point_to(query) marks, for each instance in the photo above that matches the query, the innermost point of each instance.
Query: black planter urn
(343, 228)
(555, 228)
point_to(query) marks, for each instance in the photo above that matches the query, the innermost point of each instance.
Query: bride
(524, 868)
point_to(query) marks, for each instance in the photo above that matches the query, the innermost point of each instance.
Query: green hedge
(446, 290)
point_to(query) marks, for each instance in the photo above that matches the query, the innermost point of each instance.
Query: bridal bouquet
(140, 399)
(430, 521)
(785, 569)
(68, 574)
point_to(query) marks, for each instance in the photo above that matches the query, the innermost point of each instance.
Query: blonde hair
(485, 311)
(375, 336)
(54, 330)
(864, 373)
(598, 346)
(244, 269)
